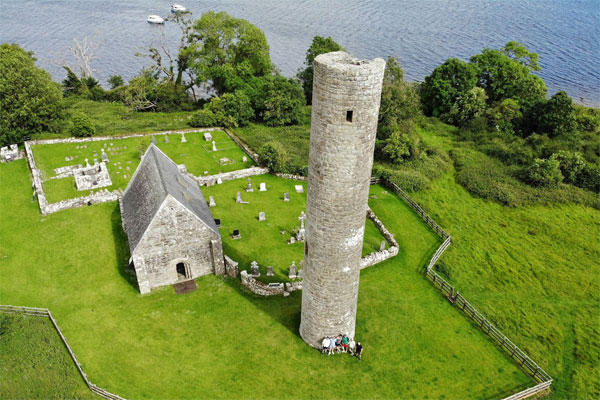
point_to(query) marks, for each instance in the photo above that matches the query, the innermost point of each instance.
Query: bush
(274, 156)
(544, 172)
(570, 164)
(232, 109)
(589, 178)
(81, 126)
(203, 119)
(410, 181)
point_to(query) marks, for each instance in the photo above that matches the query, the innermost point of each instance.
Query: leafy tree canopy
(29, 101)
(320, 45)
(283, 101)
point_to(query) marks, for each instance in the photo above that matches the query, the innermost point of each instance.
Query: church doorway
(181, 271)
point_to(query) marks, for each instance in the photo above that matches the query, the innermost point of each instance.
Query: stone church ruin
(172, 234)
(346, 96)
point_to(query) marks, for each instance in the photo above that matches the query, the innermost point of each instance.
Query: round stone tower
(346, 95)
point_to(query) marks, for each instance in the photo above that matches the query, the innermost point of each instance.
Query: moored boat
(177, 8)
(155, 19)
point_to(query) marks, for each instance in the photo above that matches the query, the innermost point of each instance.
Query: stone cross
(153, 139)
(270, 271)
(261, 216)
(262, 187)
(166, 138)
(254, 269)
(211, 201)
(183, 139)
(302, 217)
(249, 187)
(301, 236)
(214, 146)
(382, 246)
(293, 269)
(286, 196)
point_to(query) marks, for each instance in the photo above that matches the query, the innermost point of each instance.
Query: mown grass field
(34, 363)
(262, 241)
(124, 155)
(222, 342)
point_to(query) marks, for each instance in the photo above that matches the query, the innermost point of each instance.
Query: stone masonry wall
(174, 236)
(346, 96)
(229, 176)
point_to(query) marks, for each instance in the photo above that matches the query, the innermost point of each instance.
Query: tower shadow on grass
(283, 310)
(122, 248)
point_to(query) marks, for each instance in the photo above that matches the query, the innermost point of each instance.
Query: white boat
(155, 19)
(177, 8)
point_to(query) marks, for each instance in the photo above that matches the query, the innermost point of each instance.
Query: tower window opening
(349, 116)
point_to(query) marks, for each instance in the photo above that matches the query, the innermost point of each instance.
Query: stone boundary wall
(210, 180)
(231, 267)
(253, 155)
(290, 176)
(260, 288)
(523, 360)
(44, 312)
(382, 255)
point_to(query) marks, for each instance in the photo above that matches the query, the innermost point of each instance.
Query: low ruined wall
(231, 267)
(101, 196)
(254, 156)
(382, 255)
(293, 286)
(260, 288)
(291, 176)
(229, 176)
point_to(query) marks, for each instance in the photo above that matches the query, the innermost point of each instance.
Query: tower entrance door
(181, 272)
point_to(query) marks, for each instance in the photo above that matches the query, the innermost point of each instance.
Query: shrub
(232, 109)
(589, 178)
(274, 156)
(570, 164)
(203, 118)
(408, 180)
(81, 126)
(544, 172)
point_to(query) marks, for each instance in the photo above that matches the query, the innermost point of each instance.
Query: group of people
(341, 344)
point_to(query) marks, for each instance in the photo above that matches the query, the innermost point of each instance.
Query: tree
(320, 45)
(506, 74)
(446, 83)
(274, 156)
(557, 116)
(231, 109)
(82, 126)
(283, 101)
(29, 101)
(227, 51)
(504, 115)
(570, 164)
(466, 107)
(115, 81)
(403, 143)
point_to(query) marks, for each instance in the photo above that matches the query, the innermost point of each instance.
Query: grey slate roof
(156, 177)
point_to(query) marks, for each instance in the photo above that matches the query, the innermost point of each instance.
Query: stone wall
(231, 267)
(254, 156)
(346, 96)
(260, 288)
(228, 176)
(174, 236)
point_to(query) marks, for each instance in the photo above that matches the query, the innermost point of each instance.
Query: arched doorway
(182, 272)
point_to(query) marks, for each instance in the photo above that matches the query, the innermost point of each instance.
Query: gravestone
(254, 269)
(87, 163)
(211, 202)
(218, 222)
(219, 181)
(104, 156)
(261, 216)
(382, 246)
(286, 196)
(301, 236)
(249, 187)
(214, 148)
(293, 270)
(153, 139)
(236, 234)
(207, 136)
(224, 161)
(292, 240)
(270, 271)
(300, 274)
(166, 138)
(262, 187)
(299, 188)
(238, 198)
(244, 159)
(183, 140)
(105, 145)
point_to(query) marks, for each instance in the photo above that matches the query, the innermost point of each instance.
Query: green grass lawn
(222, 342)
(34, 363)
(124, 156)
(262, 241)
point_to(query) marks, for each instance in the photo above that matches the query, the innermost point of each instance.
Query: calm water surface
(420, 33)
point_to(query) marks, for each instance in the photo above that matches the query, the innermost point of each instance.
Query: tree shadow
(122, 249)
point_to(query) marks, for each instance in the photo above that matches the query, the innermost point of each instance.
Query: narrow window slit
(348, 116)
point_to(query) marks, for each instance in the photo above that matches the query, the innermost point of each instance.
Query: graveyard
(123, 155)
(212, 342)
(270, 242)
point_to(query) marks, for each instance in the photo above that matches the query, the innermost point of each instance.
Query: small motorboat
(155, 19)
(177, 8)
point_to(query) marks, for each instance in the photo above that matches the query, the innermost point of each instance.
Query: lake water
(421, 34)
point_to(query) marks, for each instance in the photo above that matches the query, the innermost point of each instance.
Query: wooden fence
(44, 312)
(523, 360)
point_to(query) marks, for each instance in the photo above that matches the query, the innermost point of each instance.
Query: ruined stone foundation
(346, 96)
